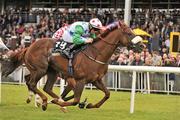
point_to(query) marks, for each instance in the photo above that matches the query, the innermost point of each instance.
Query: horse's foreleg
(100, 85)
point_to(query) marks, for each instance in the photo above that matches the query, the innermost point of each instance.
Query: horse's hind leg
(27, 79)
(100, 85)
(34, 78)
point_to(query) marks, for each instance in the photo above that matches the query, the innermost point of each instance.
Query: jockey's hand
(89, 40)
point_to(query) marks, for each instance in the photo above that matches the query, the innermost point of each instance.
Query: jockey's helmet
(95, 23)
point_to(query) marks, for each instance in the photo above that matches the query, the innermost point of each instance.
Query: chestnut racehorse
(89, 65)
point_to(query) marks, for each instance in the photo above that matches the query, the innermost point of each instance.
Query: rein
(112, 44)
(94, 59)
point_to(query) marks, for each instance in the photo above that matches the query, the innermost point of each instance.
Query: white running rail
(147, 69)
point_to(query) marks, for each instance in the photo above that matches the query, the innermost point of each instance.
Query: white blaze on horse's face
(137, 39)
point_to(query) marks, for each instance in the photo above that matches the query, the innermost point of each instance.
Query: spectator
(167, 42)
(113, 60)
(130, 59)
(156, 59)
(178, 60)
(137, 61)
(158, 23)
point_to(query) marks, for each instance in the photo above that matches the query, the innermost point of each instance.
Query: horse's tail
(12, 60)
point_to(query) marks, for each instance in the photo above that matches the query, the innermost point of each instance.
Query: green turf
(147, 107)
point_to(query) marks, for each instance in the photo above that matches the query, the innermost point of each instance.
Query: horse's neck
(19, 57)
(106, 49)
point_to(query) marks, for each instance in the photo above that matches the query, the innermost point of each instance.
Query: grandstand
(160, 4)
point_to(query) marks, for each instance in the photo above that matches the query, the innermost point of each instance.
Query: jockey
(80, 33)
(58, 34)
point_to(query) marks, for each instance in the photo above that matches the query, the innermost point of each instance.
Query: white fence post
(148, 83)
(119, 80)
(167, 83)
(133, 92)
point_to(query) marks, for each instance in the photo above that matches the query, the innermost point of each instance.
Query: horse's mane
(106, 32)
(113, 26)
(110, 28)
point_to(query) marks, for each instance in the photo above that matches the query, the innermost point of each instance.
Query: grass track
(147, 107)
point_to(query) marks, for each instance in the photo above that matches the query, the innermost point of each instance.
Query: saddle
(68, 50)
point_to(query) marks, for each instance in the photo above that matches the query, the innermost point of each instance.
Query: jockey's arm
(93, 35)
(77, 36)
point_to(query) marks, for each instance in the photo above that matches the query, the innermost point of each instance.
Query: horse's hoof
(44, 107)
(90, 105)
(63, 109)
(81, 105)
(28, 101)
(54, 101)
(38, 104)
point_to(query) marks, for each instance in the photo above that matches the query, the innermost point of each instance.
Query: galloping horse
(90, 65)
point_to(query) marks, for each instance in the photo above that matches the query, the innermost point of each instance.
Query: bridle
(112, 44)
(125, 29)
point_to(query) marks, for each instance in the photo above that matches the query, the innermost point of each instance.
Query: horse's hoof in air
(63, 109)
(90, 105)
(44, 107)
(28, 101)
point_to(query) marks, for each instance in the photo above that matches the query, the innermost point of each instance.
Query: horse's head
(129, 39)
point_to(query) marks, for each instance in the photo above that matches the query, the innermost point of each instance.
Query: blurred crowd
(145, 58)
(19, 28)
